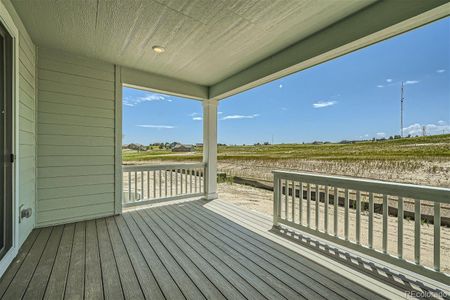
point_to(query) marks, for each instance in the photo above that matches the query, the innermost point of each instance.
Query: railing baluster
(385, 223)
(142, 185)
(135, 186)
(326, 201)
(370, 239)
(346, 214)
(293, 201)
(358, 217)
(308, 205)
(300, 204)
(154, 184)
(160, 184)
(190, 181)
(165, 183)
(171, 182)
(176, 181)
(186, 180)
(417, 219)
(336, 212)
(437, 236)
(148, 184)
(181, 181)
(276, 200)
(400, 216)
(195, 180)
(317, 205)
(286, 199)
(129, 186)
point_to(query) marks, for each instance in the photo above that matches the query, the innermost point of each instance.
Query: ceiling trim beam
(162, 84)
(370, 25)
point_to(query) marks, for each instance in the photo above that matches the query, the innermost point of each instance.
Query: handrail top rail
(147, 167)
(429, 193)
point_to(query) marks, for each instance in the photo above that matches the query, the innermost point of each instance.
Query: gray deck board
(302, 284)
(17, 288)
(279, 256)
(75, 277)
(130, 284)
(93, 287)
(268, 284)
(112, 285)
(192, 271)
(147, 281)
(38, 283)
(14, 267)
(175, 251)
(57, 283)
(342, 286)
(187, 286)
(216, 277)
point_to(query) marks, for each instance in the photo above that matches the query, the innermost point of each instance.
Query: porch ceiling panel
(206, 40)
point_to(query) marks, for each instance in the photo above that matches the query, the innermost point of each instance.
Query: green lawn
(419, 148)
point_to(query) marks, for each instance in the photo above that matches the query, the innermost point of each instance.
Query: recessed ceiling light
(158, 49)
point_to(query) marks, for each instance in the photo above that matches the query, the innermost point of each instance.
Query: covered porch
(84, 226)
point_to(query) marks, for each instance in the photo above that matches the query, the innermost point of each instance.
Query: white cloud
(194, 114)
(197, 118)
(411, 82)
(219, 113)
(389, 80)
(381, 134)
(157, 126)
(280, 86)
(440, 71)
(321, 104)
(149, 97)
(237, 117)
(380, 86)
(430, 129)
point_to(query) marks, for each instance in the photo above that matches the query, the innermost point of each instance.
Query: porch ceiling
(195, 33)
(208, 42)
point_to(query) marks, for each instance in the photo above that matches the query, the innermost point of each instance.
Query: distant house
(137, 147)
(182, 148)
(199, 145)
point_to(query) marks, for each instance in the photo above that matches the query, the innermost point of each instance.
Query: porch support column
(210, 147)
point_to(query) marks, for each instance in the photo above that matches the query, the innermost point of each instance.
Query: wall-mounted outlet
(24, 213)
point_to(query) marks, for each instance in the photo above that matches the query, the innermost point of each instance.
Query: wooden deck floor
(176, 251)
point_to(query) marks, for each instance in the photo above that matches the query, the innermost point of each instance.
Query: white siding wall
(27, 137)
(75, 138)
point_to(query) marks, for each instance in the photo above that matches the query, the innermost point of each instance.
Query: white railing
(342, 200)
(143, 184)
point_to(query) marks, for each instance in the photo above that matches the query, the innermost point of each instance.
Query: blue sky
(355, 96)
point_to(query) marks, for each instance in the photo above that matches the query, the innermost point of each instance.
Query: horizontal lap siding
(27, 131)
(75, 138)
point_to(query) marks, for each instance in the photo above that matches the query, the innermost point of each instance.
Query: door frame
(8, 23)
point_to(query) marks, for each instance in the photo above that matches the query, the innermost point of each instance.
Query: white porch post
(210, 147)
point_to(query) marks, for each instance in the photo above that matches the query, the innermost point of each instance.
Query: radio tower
(401, 111)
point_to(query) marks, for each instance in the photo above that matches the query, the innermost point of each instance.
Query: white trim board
(8, 22)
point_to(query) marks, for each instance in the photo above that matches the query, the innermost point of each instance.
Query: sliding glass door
(6, 141)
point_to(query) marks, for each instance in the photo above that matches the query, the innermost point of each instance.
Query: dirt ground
(262, 201)
(423, 172)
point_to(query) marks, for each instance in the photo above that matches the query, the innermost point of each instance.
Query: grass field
(421, 160)
(400, 149)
